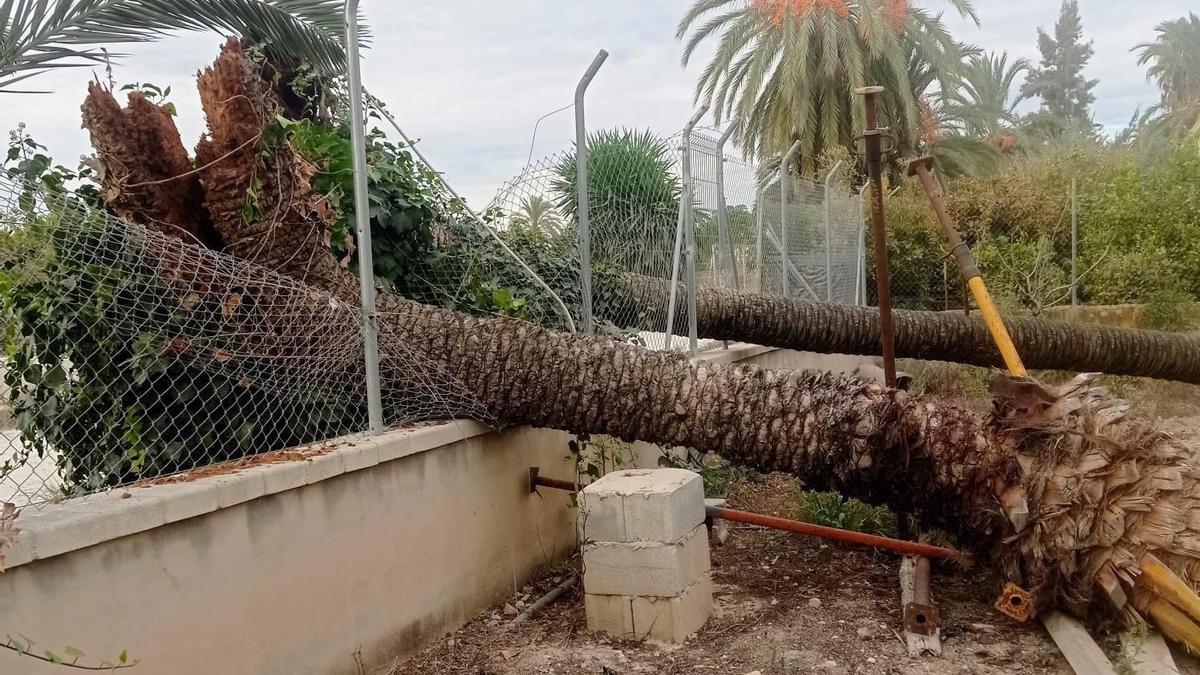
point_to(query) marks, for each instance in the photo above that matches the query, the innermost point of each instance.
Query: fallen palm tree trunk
(1057, 491)
(792, 323)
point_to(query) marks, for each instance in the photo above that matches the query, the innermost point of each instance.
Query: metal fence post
(723, 231)
(689, 228)
(783, 219)
(672, 297)
(860, 278)
(1074, 241)
(829, 235)
(362, 220)
(585, 230)
(759, 206)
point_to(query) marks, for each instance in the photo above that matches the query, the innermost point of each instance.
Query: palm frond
(788, 70)
(36, 35)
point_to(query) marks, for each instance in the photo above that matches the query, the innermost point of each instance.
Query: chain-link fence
(131, 355)
(642, 195)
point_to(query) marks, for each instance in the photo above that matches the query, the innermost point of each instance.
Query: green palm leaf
(1174, 60)
(38, 35)
(787, 70)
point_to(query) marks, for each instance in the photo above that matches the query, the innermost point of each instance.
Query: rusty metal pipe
(921, 587)
(536, 480)
(873, 145)
(921, 616)
(886, 543)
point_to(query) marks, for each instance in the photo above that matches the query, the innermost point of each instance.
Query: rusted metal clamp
(1016, 603)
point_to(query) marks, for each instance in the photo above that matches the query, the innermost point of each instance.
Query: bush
(1139, 228)
(1168, 309)
(833, 510)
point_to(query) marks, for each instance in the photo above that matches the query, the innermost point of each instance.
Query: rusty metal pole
(873, 142)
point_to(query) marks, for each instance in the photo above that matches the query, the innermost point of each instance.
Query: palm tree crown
(786, 69)
(1174, 59)
(986, 101)
(38, 36)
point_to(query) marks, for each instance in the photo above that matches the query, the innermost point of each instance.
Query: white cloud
(469, 78)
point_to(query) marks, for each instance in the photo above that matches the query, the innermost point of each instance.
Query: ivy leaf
(74, 652)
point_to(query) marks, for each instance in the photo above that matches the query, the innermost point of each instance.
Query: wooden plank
(918, 645)
(1148, 654)
(1073, 640)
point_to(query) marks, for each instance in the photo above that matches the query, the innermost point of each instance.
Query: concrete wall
(375, 547)
(372, 547)
(1120, 316)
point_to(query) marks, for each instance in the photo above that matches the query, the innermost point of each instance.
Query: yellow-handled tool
(968, 268)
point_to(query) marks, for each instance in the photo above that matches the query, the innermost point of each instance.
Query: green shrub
(719, 474)
(1168, 309)
(833, 510)
(633, 195)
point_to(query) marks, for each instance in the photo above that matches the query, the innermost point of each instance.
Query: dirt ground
(784, 604)
(788, 604)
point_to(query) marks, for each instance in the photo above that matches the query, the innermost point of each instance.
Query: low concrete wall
(372, 547)
(1120, 316)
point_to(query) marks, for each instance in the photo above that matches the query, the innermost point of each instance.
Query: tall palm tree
(539, 215)
(1174, 59)
(40, 36)
(786, 69)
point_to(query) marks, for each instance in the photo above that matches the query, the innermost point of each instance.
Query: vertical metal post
(689, 227)
(581, 178)
(362, 223)
(723, 208)
(783, 219)
(759, 207)
(873, 140)
(1074, 241)
(829, 234)
(669, 344)
(860, 271)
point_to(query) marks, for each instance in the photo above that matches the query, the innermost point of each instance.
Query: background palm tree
(38, 36)
(985, 104)
(538, 214)
(787, 68)
(970, 127)
(1174, 59)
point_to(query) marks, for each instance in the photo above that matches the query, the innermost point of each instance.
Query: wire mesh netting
(132, 355)
(637, 183)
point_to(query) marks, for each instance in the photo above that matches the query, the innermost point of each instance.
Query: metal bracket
(921, 619)
(1016, 603)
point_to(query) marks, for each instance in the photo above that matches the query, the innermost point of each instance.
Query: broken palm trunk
(1055, 491)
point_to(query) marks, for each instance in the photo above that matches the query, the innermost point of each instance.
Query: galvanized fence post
(759, 206)
(672, 296)
(689, 228)
(1074, 241)
(860, 278)
(585, 232)
(783, 219)
(829, 235)
(362, 220)
(723, 233)
(685, 239)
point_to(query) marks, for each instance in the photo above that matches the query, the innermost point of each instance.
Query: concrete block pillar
(646, 571)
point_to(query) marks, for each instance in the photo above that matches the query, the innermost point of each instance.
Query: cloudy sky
(469, 78)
